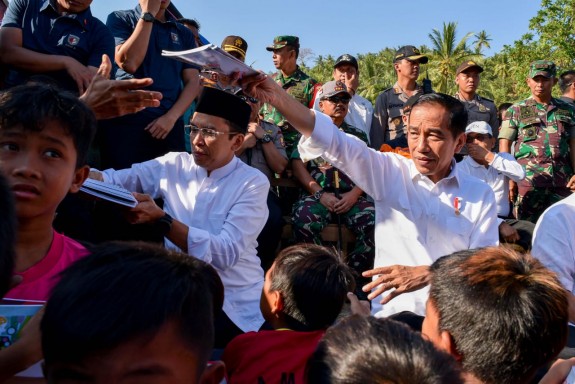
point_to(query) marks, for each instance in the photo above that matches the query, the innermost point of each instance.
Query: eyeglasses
(206, 133)
(338, 99)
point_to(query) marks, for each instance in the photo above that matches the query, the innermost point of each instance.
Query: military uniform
(387, 123)
(481, 109)
(303, 88)
(542, 134)
(310, 217)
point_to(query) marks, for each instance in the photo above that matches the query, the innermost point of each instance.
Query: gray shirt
(255, 156)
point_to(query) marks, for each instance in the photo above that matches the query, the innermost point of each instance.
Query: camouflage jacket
(303, 88)
(542, 134)
(323, 172)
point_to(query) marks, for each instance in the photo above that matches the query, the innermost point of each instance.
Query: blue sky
(338, 26)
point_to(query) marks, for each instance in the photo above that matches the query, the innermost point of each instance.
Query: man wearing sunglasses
(214, 205)
(496, 169)
(387, 123)
(327, 197)
(360, 110)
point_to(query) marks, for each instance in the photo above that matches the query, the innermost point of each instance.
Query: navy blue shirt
(166, 72)
(44, 30)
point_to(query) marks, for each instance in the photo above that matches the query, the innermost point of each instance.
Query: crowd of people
(462, 268)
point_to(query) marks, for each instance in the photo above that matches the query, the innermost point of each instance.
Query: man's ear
(237, 141)
(214, 373)
(460, 142)
(80, 175)
(555, 80)
(277, 304)
(321, 105)
(448, 344)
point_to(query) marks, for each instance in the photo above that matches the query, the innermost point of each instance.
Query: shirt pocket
(461, 228)
(530, 132)
(215, 223)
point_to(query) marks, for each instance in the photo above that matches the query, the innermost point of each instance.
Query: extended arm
(131, 54)
(13, 53)
(161, 127)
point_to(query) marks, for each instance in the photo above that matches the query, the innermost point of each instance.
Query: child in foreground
(133, 313)
(304, 292)
(44, 139)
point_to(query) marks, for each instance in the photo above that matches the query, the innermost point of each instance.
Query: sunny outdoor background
(504, 36)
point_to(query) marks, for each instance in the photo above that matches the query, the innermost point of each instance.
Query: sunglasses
(338, 99)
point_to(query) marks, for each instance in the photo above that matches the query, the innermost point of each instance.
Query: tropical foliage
(551, 36)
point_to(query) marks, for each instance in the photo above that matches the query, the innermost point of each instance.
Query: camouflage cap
(409, 52)
(235, 44)
(348, 59)
(542, 68)
(332, 88)
(467, 64)
(284, 41)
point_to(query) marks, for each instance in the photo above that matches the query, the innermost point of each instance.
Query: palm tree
(447, 54)
(481, 41)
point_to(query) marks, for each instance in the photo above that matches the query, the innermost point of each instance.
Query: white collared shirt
(416, 221)
(225, 213)
(554, 241)
(495, 175)
(359, 113)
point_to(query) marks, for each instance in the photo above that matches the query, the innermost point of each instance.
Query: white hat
(479, 127)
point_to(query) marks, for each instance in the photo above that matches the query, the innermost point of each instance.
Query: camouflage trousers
(310, 217)
(533, 201)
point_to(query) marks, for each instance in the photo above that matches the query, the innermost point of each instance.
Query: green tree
(446, 55)
(481, 41)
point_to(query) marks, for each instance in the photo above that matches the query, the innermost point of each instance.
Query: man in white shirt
(425, 208)
(496, 169)
(218, 204)
(360, 110)
(554, 246)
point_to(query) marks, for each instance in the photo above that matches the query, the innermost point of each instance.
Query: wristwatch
(318, 194)
(267, 138)
(164, 224)
(147, 17)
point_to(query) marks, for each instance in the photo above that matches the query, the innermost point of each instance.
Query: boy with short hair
(304, 292)
(133, 312)
(44, 139)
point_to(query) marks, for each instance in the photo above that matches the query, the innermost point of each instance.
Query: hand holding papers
(109, 192)
(212, 58)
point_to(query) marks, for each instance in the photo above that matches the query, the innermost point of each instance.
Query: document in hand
(109, 192)
(212, 58)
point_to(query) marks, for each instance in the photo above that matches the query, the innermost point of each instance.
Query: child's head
(305, 288)
(29, 108)
(45, 135)
(369, 350)
(131, 310)
(7, 235)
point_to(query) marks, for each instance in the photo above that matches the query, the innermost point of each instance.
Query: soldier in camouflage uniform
(544, 131)
(320, 207)
(302, 87)
(387, 123)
